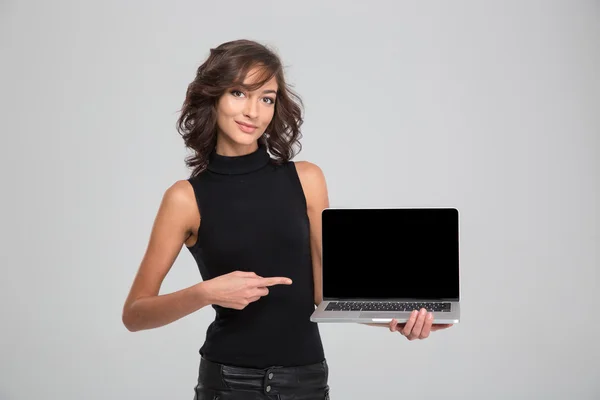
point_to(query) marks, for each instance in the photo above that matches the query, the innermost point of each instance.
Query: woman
(251, 220)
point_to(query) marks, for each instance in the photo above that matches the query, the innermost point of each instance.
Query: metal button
(268, 388)
(271, 375)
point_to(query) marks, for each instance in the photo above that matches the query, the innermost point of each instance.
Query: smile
(246, 128)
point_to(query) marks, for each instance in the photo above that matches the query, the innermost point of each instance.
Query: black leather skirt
(225, 382)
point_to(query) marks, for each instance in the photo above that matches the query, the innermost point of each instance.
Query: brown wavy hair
(225, 68)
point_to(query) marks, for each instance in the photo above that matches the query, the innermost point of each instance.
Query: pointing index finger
(274, 281)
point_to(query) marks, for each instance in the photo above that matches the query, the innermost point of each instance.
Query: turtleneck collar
(235, 165)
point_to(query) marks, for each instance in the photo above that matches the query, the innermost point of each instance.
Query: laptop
(383, 263)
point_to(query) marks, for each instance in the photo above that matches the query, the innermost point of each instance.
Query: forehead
(256, 79)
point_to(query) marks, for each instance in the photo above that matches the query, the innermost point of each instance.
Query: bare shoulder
(313, 183)
(180, 193)
(309, 172)
(179, 200)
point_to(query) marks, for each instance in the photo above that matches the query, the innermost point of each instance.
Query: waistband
(269, 381)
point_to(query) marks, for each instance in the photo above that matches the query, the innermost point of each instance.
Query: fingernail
(423, 311)
(430, 316)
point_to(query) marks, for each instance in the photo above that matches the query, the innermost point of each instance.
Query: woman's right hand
(239, 288)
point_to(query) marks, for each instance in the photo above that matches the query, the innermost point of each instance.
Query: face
(243, 116)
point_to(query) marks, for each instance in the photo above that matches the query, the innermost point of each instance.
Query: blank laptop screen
(391, 254)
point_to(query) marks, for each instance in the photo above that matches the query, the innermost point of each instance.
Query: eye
(235, 92)
(272, 101)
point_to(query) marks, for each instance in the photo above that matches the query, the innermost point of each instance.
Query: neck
(241, 162)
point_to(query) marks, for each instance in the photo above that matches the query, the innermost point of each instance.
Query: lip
(245, 124)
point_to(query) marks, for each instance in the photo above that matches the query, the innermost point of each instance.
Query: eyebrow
(264, 91)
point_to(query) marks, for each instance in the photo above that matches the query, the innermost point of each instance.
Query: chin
(245, 140)
(242, 139)
(236, 137)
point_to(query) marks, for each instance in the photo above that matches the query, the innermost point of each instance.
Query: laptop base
(381, 317)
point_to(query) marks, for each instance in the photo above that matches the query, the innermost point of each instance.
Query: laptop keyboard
(386, 306)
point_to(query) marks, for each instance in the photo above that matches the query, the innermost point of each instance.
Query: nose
(251, 109)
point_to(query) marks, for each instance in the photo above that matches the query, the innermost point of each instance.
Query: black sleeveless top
(254, 218)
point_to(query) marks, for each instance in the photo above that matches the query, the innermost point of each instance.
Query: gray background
(491, 107)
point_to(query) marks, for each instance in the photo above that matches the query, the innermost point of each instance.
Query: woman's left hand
(418, 326)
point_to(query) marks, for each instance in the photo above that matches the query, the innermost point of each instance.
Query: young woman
(251, 219)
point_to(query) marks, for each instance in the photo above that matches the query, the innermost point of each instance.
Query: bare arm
(317, 199)
(177, 219)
